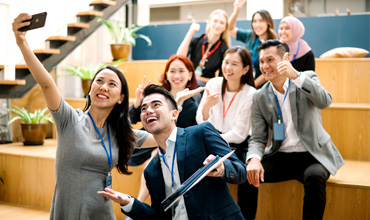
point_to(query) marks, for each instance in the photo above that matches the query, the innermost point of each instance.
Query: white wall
(316, 7)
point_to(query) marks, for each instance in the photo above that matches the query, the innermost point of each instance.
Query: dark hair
(192, 84)
(281, 48)
(118, 119)
(270, 24)
(156, 89)
(246, 58)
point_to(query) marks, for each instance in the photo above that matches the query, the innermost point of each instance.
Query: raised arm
(43, 78)
(238, 4)
(184, 46)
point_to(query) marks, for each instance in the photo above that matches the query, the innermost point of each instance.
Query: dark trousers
(289, 166)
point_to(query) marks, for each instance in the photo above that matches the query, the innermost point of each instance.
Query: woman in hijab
(301, 56)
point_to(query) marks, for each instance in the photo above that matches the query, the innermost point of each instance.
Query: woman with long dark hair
(262, 29)
(90, 143)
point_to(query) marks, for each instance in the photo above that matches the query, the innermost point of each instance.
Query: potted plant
(85, 73)
(34, 124)
(123, 38)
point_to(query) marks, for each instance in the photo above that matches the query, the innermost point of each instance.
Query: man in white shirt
(181, 153)
(289, 106)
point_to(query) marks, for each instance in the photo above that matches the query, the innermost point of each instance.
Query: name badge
(279, 131)
(108, 181)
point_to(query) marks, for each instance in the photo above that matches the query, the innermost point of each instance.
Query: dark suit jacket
(305, 106)
(210, 198)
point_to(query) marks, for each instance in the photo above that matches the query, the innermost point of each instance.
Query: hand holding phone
(37, 21)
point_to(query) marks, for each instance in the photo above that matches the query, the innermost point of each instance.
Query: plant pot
(85, 85)
(120, 51)
(34, 133)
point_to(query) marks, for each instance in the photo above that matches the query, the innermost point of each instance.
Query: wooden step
(78, 25)
(18, 66)
(11, 212)
(348, 126)
(103, 2)
(46, 51)
(346, 79)
(43, 54)
(90, 13)
(350, 106)
(347, 193)
(13, 82)
(58, 41)
(61, 38)
(87, 16)
(74, 28)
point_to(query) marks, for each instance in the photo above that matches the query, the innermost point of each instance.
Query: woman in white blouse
(228, 99)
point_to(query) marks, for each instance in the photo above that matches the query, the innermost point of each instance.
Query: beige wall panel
(349, 129)
(347, 80)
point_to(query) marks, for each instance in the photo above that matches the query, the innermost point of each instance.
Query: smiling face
(217, 24)
(178, 75)
(268, 64)
(105, 90)
(232, 67)
(285, 32)
(259, 25)
(156, 115)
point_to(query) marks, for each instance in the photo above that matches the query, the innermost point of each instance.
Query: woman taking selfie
(90, 143)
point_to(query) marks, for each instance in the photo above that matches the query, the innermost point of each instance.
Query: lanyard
(208, 54)
(255, 55)
(173, 162)
(223, 102)
(296, 53)
(277, 102)
(102, 140)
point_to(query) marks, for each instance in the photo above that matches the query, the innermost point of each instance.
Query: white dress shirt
(179, 209)
(291, 143)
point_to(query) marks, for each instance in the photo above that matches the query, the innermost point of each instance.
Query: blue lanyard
(173, 162)
(296, 53)
(255, 55)
(277, 102)
(102, 141)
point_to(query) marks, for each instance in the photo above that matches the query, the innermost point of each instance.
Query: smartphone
(37, 21)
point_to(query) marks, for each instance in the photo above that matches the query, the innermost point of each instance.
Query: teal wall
(322, 34)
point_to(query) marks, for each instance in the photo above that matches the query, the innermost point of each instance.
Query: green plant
(85, 72)
(39, 116)
(121, 34)
(89, 71)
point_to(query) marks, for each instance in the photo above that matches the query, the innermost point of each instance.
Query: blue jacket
(210, 198)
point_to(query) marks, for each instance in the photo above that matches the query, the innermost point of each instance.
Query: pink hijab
(298, 31)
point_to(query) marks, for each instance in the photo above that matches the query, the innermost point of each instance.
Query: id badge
(199, 71)
(279, 131)
(108, 181)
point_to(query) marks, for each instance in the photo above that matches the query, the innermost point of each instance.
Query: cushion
(345, 52)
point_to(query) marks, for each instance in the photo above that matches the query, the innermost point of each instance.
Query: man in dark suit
(181, 153)
(288, 107)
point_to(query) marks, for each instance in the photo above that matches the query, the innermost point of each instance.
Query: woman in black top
(206, 52)
(301, 56)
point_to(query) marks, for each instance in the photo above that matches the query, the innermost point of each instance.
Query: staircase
(60, 47)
